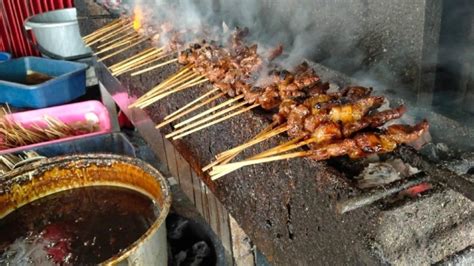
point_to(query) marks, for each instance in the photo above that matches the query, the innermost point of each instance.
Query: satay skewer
(193, 108)
(195, 126)
(124, 42)
(206, 119)
(154, 67)
(222, 170)
(136, 60)
(116, 40)
(104, 29)
(117, 66)
(215, 108)
(188, 84)
(142, 64)
(110, 35)
(137, 42)
(241, 111)
(158, 90)
(144, 97)
(188, 105)
(232, 153)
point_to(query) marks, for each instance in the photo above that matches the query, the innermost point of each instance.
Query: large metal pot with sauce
(46, 177)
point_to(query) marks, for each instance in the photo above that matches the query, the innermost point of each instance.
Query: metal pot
(57, 34)
(49, 176)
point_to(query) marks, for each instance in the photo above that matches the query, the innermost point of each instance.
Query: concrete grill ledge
(288, 208)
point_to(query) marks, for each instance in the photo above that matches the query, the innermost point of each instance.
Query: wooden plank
(171, 159)
(205, 202)
(213, 217)
(197, 193)
(225, 236)
(185, 176)
(241, 246)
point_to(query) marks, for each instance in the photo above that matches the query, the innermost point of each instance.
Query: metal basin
(57, 33)
(49, 176)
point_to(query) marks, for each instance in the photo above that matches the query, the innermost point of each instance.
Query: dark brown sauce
(34, 78)
(79, 226)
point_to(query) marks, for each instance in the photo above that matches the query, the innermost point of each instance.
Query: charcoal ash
(462, 165)
(384, 172)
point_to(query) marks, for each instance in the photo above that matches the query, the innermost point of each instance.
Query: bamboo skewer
(141, 64)
(235, 151)
(111, 34)
(221, 170)
(216, 121)
(217, 107)
(117, 66)
(116, 40)
(191, 103)
(154, 67)
(192, 128)
(140, 57)
(147, 95)
(124, 42)
(139, 41)
(157, 91)
(103, 29)
(215, 97)
(206, 119)
(263, 137)
(135, 62)
(189, 84)
(274, 152)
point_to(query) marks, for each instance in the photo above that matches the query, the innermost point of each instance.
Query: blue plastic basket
(68, 82)
(4, 56)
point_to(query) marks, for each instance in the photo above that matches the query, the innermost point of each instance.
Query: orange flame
(137, 18)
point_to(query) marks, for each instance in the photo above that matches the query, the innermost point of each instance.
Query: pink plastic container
(68, 113)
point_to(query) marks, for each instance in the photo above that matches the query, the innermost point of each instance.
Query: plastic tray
(68, 113)
(68, 82)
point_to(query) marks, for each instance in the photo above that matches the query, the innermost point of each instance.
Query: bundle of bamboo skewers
(119, 36)
(14, 134)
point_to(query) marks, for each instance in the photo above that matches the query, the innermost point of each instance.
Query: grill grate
(12, 15)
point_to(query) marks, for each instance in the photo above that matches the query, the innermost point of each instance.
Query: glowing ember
(138, 16)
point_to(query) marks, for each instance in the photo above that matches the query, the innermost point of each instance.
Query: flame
(137, 18)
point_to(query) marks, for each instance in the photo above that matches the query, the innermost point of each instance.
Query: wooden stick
(284, 147)
(184, 71)
(104, 28)
(227, 158)
(110, 34)
(217, 107)
(139, 41)
(142, 63)
(154, 67)
(100, 33)
(216, 121)
(221, 170)
(145, 55)
(116, 66)
(127, 41)
(263, 137)
(204, 120)
(190, 110)
(116, 40)
(144, 97)
(191, 103)
(136, 60)
(157, 91)
(189, 84)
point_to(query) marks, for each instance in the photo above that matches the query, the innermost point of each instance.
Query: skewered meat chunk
(363, 144)
(374, 120)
